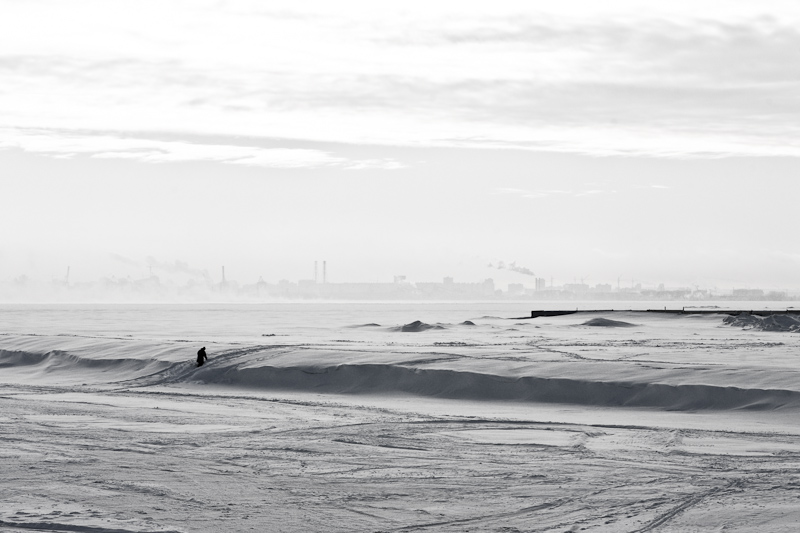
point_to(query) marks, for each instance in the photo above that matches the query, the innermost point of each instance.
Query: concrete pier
(682, 311)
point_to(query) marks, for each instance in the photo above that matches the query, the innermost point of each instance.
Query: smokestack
(324, 272)
(223, 274)
(315, 271)
(66, 279)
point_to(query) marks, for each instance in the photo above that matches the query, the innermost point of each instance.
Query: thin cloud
(59, 144)
(679, 80)
(548, 193)
(651, 186)
(509, 190)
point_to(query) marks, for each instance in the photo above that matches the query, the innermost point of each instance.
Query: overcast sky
(635, 140)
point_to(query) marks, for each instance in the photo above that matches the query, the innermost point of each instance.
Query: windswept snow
(679, 424)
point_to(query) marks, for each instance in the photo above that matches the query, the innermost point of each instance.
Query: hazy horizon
(652, 143)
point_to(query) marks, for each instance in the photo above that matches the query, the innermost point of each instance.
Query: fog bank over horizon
(714, 223)
(91, 268)
(154, 281)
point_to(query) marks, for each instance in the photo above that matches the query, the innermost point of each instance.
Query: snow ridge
(462, 385)
(131, 364)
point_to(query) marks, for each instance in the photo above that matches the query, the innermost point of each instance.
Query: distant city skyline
(503, 272)
(318, 272)
(181, 283)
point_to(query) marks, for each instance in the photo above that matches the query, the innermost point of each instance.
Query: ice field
(396, 417)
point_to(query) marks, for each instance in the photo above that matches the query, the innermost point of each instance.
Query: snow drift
(417, 326)
(607, 323)
(453, 384)
(785, 323)
(121, 363)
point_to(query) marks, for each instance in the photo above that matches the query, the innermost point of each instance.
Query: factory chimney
(324, 272)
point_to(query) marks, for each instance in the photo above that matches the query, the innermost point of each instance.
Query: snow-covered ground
(350, 417)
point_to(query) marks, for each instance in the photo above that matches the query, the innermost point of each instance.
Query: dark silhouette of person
(201, 356)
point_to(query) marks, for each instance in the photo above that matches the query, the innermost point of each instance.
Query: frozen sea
(416, 416)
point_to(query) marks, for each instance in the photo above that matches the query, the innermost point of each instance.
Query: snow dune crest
(443, 370)
(607, 323)
(455, 384)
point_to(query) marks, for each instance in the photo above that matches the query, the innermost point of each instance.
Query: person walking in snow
(201, 356)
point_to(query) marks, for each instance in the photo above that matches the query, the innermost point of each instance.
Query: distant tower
(223, 275)
(66, 278)
(324, 272)
(315, 271)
